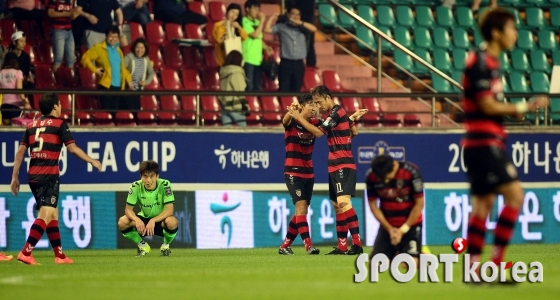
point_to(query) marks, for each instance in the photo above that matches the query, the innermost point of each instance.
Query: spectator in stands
(62, 12)
(98, 15)
(253, 23)
(24, 60)
(141, 70)
(29, 10)
(135, 11)
(293, 49)
(109, 68)
(177, 11)
(307, 9)
(219, 33)
(11, 77)
(475, 6)
(232, 78)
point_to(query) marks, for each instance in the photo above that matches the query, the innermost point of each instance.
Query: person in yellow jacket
(109, 68)
(219, 33)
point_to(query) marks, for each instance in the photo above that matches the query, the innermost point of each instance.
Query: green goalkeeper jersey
(151, 202)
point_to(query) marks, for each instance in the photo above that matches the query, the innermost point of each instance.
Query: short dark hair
(113, 29)
(305, 99)
(251, 3)
(149, 166)
(494, 19)
(321, 90)
(382, 165)
(234, 58)
(233, 6)
(140, 41)
(47, 103)
(293, 6)
(11, 61)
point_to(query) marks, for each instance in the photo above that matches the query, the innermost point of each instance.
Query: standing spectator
(29, 10)
(136, 11)
(293, 49)
(253, 23)
(23, 58)
(109, 67)
(98, 15)
(232, 78)
(62, 13)
(140, 67)
(307, 9)
(233, 19)
(177, 11)
(12, 78)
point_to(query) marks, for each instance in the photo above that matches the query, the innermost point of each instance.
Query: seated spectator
(141, 69)
(24, 60)
(28, 10)
(135, 11)
(232, 78)
(109, 68)
(99, 19)
(62, 12)
(177, 11)
(233, 19)
(12, 78)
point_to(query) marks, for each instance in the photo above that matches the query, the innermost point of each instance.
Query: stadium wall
(230, 193)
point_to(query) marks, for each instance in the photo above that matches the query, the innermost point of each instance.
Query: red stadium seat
(66, 77)
(104, 119)
(210, 57)
(217, 11)
(173, 31)
(8, 27)
(170, 80)
(332, 81)
(155, 56)
(149, 108)
(310, 79)
(148, 102)
(146, 118)
(173, 58)
(45, 54)
(188, 110)
(44, 77)
(155, 33)
(411, 120)
(154, 85)
(32, 31)
(209, 29)
(193, 31)
(85, 109)
(210, 108)
(270, 85)
(124, 118)
(191, 80)
(29, 49)
(66, 104)
(136, 31)
(254, 118)
(192, 58)
(87, 79)
(211, 79)
(170, 105)
(351, 104)
(372, 118)
(286, 101)
(392, 120)
(271, 111)
(198, 7)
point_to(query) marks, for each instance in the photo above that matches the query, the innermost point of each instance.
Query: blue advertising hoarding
(245, 157)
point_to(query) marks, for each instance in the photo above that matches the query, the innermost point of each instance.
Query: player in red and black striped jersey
(400, 190)
(298, 172)
(340, 130)
(490, 171)
(45, 136)
(62, 12)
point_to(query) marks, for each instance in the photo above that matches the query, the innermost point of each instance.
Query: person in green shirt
(155, 198)
(253, 24)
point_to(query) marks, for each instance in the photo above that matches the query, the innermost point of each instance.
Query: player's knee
(123, 223)
(301, 208)
(345, 206)
(171, 222)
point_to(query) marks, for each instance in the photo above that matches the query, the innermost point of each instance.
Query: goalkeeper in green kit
(155, 198)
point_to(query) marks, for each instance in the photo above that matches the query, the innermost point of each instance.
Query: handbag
(232, 42)
(270, 68)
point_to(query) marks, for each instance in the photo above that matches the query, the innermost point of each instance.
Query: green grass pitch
(248, 274)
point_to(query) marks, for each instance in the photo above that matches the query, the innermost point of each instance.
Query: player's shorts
(411, 243)
(158, 228)
(45, 193)
(299, 188)
(342, 182)
(488, 168)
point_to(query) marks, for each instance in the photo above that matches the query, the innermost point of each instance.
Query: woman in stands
(141, 68)
(233, 20)
(232, 78)
(11, 77)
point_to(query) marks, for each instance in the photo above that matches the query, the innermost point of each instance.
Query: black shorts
(411, 243)
(45, 193)
(158, 228)
(488, 168)
(300, 188)
(342, 182)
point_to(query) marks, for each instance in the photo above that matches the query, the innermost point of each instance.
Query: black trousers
(110, 103)
(290, 75)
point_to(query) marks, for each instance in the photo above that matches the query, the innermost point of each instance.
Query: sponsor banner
(446, 215)
(224, 219)
(86, 220)
(183, 210)
(274, 210)
(217, 157)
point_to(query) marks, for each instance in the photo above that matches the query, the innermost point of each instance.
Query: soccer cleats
(313, 250)
(285, 251)
(61, 261)
(143, 249)
(29, 260)
(164, 250)
(4, 257)
(355, 250)
(336, 251)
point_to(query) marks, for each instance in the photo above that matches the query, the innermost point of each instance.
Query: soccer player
(45, 136)
(155, 198)
(400, 190)
(341, 165)
(490, 171)
(298, 172)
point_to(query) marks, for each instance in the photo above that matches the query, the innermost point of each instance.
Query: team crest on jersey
(298, 193)
(130, 191)
(53, 199)
(168, 191)
(327, 121)
(399, 183)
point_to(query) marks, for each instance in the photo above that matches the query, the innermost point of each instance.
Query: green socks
(132, 234)
(169, 235)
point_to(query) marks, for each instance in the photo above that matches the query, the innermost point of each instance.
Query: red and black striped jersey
(45, 137)
(482, 78)
(337, 128)
(396, 196)
(299, 148)
(62, 6)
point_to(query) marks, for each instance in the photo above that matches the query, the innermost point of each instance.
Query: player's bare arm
(78, 152)
(378, 214)
(358, 114)
(310, 127)
(287, 117)
(14, 185)
(412, 217)
(129, 212)
(167, 212)
(491, 107)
